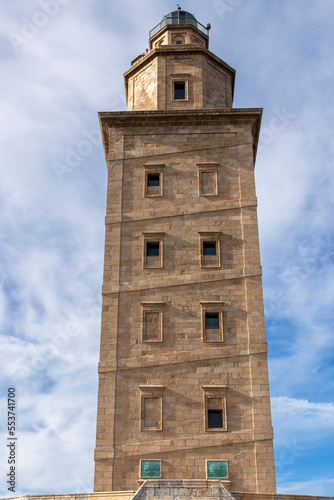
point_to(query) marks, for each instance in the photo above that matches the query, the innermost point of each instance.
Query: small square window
(178, 42)
(215, 419)
(210, 248)
(211, 321)
(153, 180)
(152, 249)
(179, 90)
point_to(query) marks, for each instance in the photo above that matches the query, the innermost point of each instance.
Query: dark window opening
(153, 180)
(152, 249)
(211, 321)
(179, 90)
(178, 42)
(215, 419)
(209, 248)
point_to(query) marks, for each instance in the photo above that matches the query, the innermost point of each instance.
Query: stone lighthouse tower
(183, 388)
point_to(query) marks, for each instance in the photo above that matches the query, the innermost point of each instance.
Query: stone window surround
(153, 237)
(153, 169)
(215, 392)
(213, 236)
(177, 37)
(212, 307)
(207, 168)
(181, 78)
(150, 392)
(151, 307)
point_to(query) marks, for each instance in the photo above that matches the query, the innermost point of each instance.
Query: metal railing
(178, 19)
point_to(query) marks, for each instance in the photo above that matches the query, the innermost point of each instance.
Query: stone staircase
(182, 490)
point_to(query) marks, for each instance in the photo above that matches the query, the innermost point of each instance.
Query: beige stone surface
(172, 490)
(161, 371)
(149, 81)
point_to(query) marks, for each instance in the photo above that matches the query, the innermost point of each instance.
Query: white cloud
(301, 419)
(319, 487)
(51, 242)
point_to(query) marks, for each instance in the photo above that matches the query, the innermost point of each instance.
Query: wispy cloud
(52, 221)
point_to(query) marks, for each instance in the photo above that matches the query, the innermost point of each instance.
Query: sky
(62, 61)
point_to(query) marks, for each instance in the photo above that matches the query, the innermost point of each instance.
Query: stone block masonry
(183, 360)
(171, 490)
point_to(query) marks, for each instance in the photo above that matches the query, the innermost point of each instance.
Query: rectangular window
(215, 419)
(216, 469)
(153, 181)
(152, 326)
(153, 250)
(208, 179)
(215, 414)
(210, 249)
(212, 321)
(150, 468)
(152, 321)
(152, 414)
(179, 90)
(178, 42)
(180, 85)
(151, 408)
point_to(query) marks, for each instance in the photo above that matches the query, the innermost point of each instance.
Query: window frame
(215, 307)
(151, 392)
(215, 392)
(152, 237)
(211, 168)
(149, 308)
(207, 261)
(179, 78)
(157, 169)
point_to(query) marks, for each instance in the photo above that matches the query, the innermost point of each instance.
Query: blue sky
(61, 62)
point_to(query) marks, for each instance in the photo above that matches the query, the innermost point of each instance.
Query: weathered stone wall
(150, 81)
(170, 490)
(182, 362)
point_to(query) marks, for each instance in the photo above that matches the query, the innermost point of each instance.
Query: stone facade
(183, 390)
(178, 490)
(150, 80)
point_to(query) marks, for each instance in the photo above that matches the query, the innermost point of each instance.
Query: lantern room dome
(179, 16)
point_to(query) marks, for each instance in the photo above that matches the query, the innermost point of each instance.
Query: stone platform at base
(167, 489)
